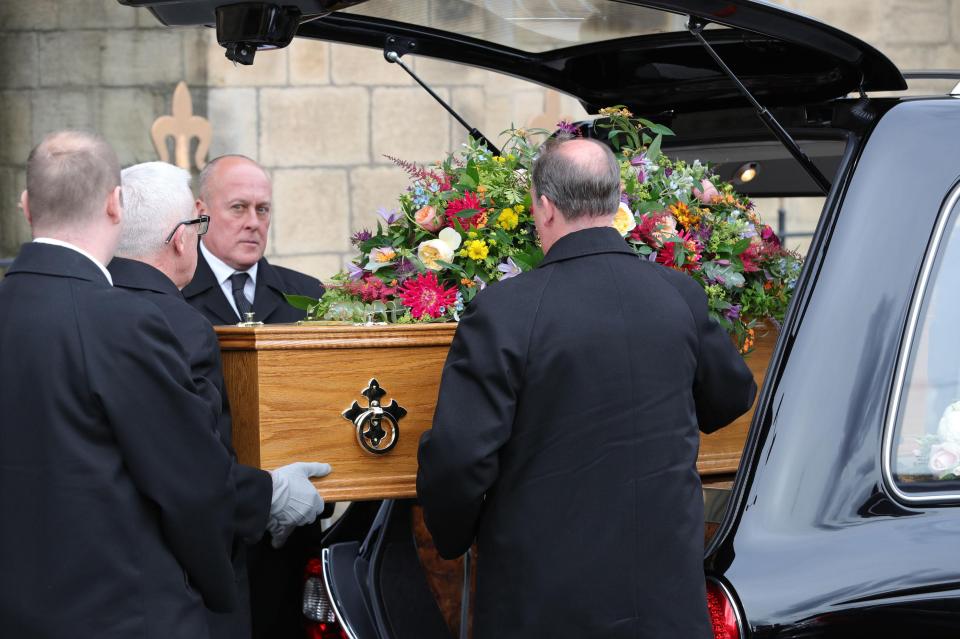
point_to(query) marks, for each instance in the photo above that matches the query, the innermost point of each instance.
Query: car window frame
(950, 205)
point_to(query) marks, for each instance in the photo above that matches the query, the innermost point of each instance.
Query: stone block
(269, 68)
(314, 127)
(516, 110)
(233, 115)
(921, 23)
(126, 116)
(320, 265)
(372, 188)
(15, 131)
(70, 58)
(309, 62)
(361, 65)
(95, 14)
(35, 15)
(196, 43)
(57, 109)
(148, 57)
(14, 229)
(470, 103)
(311, 211)
(409, 124)
(18, 51)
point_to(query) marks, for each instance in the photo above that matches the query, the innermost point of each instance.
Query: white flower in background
(624, 221)
(380, 257)
(949, 427)
(432, 252)
(944, 457)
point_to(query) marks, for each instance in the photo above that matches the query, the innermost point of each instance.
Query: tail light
(724, 617)
(321, 619)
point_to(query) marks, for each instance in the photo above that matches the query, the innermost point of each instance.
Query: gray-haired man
(157, 255)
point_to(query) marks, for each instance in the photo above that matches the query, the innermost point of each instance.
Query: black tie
(238, 281)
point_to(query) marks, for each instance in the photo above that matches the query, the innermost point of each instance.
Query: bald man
(232, 276)
(116, 492)
(566, 431)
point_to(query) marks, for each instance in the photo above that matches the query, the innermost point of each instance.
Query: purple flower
(733, 313)
(360, 236)
(638, 160)
(668, 171)
(354, 272)
(389, 216)
(509, 269)
(404, 267)
(568, 127)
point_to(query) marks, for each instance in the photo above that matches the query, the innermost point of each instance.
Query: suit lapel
(269, 292)
(205, 294)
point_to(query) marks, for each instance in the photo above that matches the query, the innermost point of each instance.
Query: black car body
(834, 526)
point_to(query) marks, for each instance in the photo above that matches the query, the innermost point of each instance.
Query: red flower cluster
(425, 296)
(371, 288)
(469, 201)
(683, 255)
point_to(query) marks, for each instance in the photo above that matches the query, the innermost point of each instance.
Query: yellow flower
(519, 208)
(686, 217)
(492, 242)
(385, 255)
(508, 220)
(471, 234)
(624, 221)
(476, 249)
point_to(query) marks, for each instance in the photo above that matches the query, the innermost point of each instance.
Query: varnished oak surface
(289, 384)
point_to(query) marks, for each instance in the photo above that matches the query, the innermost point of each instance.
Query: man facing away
(565, 436)
(156, 256)
(117, 495)
(232, 276)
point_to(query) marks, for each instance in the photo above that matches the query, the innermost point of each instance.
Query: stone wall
(321, 118)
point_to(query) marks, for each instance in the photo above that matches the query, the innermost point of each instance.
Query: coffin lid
(605, 52)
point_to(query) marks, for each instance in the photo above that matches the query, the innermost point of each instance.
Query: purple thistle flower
(389, 216)
(404, 267)
(360, 236)
(668, 171)
(567, 127)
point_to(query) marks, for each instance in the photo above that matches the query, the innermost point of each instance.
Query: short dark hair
(69, 176)
(578, 184)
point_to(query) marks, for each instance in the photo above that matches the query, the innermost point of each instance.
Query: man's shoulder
(293, 281)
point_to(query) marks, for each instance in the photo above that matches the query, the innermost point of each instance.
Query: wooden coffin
(289, 386)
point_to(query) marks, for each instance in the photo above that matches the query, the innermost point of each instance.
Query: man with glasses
(232, 276)
(156, 257)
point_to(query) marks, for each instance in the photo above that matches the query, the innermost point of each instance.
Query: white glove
(295, 501)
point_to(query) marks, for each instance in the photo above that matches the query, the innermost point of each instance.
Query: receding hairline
(586, 152)
(210, 172)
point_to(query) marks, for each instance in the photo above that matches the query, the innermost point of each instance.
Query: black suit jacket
(116, 492)
(565, 440)
(204, 294)
(254, 487)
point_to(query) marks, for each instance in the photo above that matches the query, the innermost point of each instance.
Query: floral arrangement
(464, 224)
(939, 453)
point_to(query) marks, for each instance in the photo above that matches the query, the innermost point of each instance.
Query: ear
(201, 207)
(548, 210)
(25, 207)
(178, 242)
(115, 205)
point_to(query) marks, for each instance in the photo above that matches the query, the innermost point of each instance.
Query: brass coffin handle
(377, 427)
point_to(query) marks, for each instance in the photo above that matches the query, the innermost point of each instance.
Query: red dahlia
(425, 296)
(469, 201)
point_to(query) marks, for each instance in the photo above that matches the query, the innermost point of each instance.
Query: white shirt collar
(50, 240)
(222, 271)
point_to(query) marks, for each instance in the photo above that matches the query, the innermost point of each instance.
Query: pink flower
(944, 457)
(427, 219)
(769, 237)
(709, 193)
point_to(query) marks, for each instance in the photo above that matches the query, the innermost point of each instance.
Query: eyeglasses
(203, 221)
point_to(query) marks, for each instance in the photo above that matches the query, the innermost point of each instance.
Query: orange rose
(427, 219)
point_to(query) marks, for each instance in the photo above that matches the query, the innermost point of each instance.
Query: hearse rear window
(923, 449)
(530, 26)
